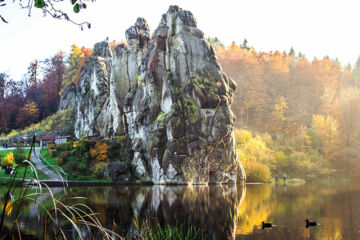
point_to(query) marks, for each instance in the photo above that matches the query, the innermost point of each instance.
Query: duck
(310, 224)
(266, 225)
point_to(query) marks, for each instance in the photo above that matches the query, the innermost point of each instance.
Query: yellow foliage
(242, 136)
(12, 133)
(280, 108)
(256, 172)
(327, 129)
(100, 152)
(254, 150)
(8, 160)
(47, 128)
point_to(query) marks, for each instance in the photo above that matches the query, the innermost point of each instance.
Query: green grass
(49, 160)
(21, 171)
(4, 152)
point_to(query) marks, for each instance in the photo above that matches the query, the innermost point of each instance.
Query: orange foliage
(100, 152)
(87, 53)
(261, 77)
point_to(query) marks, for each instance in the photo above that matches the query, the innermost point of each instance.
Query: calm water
(227, 212)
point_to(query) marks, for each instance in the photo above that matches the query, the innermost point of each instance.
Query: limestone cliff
(168, 94)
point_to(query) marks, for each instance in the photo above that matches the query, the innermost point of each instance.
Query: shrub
(19, 155)
(100, 152)
(68, 146)
(50, 144)
(70, 167)
(97, 170)
(256, 172)
(59, 161)
(8, 160)
(52, 152)
(65, 155)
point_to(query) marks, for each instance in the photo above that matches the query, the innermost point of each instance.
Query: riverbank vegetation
(86, 159)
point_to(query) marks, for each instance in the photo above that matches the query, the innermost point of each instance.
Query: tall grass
(146, 231)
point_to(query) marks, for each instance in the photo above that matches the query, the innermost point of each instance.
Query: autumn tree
(28, 114)
(73, 62)
(54, 70)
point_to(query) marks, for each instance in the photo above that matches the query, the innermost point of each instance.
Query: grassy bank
(21, 169)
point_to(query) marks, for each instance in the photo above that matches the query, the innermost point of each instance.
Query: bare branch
(3, 19)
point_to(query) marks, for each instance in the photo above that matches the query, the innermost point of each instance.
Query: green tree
(73, 64)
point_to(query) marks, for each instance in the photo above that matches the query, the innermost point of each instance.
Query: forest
(294, 116)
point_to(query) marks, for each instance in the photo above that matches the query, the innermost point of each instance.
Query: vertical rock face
(169, 95)
(92, 94)
(68, 97)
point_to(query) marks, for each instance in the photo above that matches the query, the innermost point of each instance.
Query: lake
(225, 212)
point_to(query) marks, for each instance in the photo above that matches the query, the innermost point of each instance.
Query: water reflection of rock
(212, 208)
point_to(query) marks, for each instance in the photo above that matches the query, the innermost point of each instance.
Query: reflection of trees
(256, 208)
(334, 206)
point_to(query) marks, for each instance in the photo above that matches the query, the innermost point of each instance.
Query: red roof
(50, 138)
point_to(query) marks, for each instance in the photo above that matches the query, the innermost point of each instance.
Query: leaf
(39, 3)
(73, 2)
(76, 8)
(84, 5)
(3, 19)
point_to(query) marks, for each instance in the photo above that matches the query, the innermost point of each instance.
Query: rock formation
(167, 93)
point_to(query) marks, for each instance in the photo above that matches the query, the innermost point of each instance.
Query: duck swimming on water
(266, 225)
(310, 224)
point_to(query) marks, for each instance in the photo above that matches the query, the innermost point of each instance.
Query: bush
(70, 167)
(100, 152)
(65, 155)
(52, 152)
(19, 155)
(50, 145)
(256, 172)
(8, 160)
(59, 161)
(97, 170)
(68, 146)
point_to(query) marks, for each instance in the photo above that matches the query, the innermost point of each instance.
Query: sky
(316, 28)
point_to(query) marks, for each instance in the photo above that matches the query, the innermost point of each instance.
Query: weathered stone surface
(117, 171)
(68, 98)
(168, 94)
(92, 94)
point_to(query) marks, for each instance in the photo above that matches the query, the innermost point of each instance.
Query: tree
(73, 65)
(244, 45)
(327, 130)
(292, 52)
(28, 114)
(33, 73)
(50, 7)
(54, 70)
(215, 42)
(3, 78)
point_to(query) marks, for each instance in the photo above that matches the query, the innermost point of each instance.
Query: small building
(54, 138)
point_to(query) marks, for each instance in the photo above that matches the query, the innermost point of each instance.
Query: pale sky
(314, 27)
